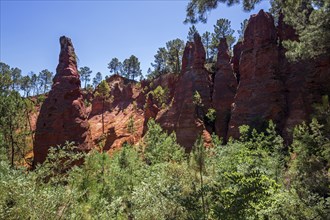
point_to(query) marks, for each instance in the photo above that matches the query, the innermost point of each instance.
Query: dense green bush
(250, 178)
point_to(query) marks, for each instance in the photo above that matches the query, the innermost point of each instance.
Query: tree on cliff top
(175, 50)
(131, 68)
(97, 79)
(191, 33)
(222, 29)
(160, 64)
(115, 66)
(85, 74)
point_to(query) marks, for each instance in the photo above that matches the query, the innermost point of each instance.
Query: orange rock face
(261, 93)
(63, 115)
(224, 89)
(184, 116)
(237, 50)
(257, 84)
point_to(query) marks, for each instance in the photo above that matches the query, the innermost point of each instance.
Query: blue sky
(100, 30)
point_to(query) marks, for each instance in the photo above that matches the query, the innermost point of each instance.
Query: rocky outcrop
(199, 53)
(224, 89)
(257, 84)
(261, 93)
(121, 95)
(188, 57)
(184, 117)
(63, 115)
(237, 50)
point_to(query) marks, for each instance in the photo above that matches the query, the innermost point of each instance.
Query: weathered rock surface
(261, 93)
(237, 50)
(267, 86)
(184, 117)
(188, 57)
(63, 115)
(224, 89)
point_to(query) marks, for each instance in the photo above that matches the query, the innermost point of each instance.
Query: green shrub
(211, 114)
(160, 95)
(197, 99)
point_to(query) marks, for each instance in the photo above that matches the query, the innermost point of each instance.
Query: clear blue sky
(100, 30)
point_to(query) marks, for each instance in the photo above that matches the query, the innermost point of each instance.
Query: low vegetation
(255, 177)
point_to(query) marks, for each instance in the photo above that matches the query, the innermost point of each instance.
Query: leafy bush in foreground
(250, 178)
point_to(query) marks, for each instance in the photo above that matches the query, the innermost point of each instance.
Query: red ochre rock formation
(224, 89)
(237, 50)
(188, 57)
(270, 87)
(183, 116)
(261, 93)
(63, 115)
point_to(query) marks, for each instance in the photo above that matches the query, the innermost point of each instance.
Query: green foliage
(211, 114)
(115, 66)
(167, 59)
(160, 95)
(131, 67)
(85, 74)
(249, 178)
(45, 79)
(322, 114)
(160, 64)
(13, 126)
(103, 91)
(206, 40)
(130, 125)
(310, 166)
(161, 147)
(175, 51)
(40, 99)
(197, 9)
(242, 30)
(311, 20)
(222, 29)
(191, 33)
(97, 79)
(197, 99)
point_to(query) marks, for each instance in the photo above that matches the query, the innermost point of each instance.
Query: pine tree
(131, 67)
(97, 79)
(175, 51)
(85, 74)
(222, 29)
(115, 66)
(103, 91)
(206, 40)
(242, 30)
(191, 33)
(160, 64)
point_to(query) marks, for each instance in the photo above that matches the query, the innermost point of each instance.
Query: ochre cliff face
(255, 85)
(237, 50)
(183, 116)
(224, 89)
(271, 87)
(63, 115)
(261, 93)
